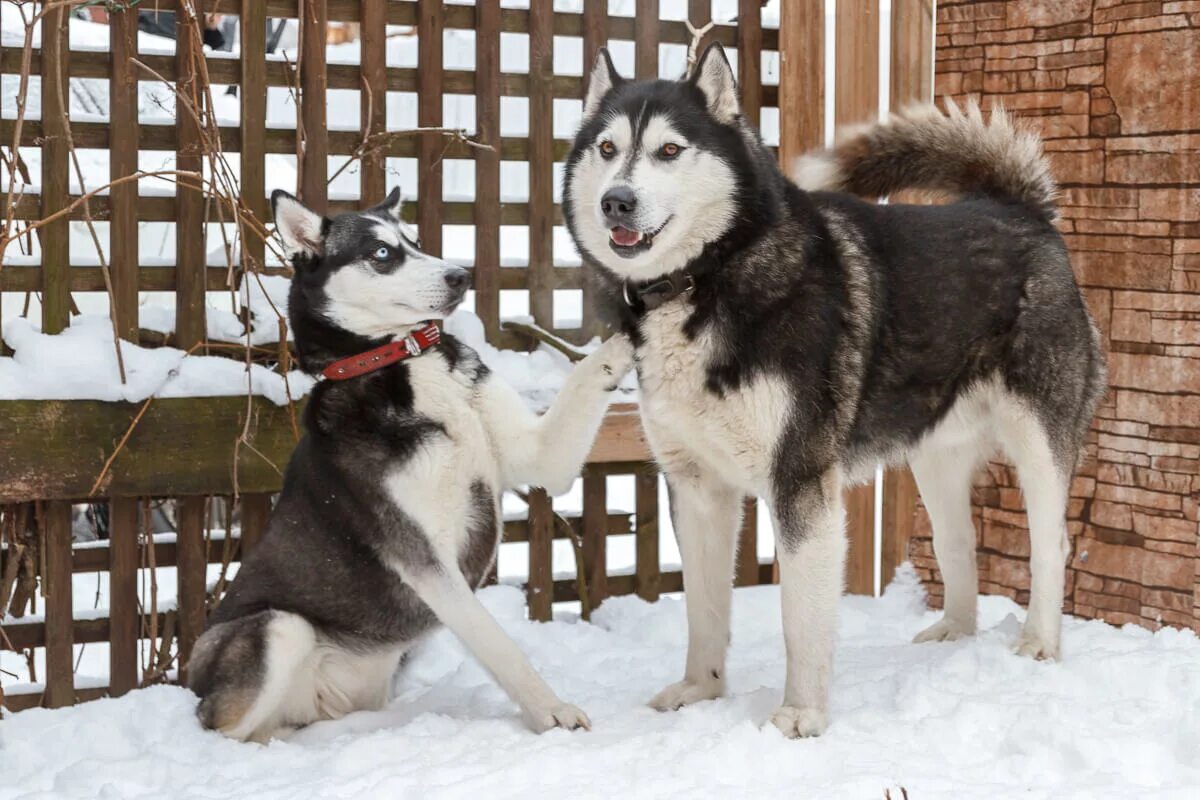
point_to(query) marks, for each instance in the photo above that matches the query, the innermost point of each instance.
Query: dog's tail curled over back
(922, 148)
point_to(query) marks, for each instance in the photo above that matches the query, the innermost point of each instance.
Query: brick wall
(1114, 87)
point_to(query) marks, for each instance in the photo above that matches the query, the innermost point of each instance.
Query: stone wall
(1114, 88)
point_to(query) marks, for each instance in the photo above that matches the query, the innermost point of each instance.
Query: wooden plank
(253, 127)
(429, 115)
(541, 164)
(256, 510)
(123, 564)
(56, 585)
(123, 160)
(899, 517)
(621, 437)
(746, 568)
(373, 99)
(192, 567)
(645, 39)
(700, 14)
(801, 79)
(190, 270)
(56, 449)
(749, 28)
(648, 569)
(860, 533)
(911, 74)
(486, 279)
(55, 237)
(96, 559)
(671, 581)
(595, 36)
(539, 591)
(16, 278)
(856, 94)
(314, 174)
(595, 535)
(74, 438)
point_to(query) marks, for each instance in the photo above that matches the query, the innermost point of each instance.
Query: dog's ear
(603, 78)
(714, 77)
(390, 207)
(302, 231)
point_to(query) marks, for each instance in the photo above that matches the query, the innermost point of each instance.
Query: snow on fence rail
(57, 454)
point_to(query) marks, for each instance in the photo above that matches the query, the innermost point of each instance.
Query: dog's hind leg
(246, 672)
(705, 513)
(944, 479)
(1045, 476)
(810, 542)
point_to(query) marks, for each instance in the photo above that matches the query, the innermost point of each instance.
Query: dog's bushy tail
(921, 148)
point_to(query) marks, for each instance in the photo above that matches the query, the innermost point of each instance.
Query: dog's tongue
(624, 236)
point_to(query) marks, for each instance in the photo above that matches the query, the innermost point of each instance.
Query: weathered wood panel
(56, 449)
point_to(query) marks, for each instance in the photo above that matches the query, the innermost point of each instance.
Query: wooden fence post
(595, 534)
(487, 166)
(430, 21)
(595, 36)
(373, 98)
(123, 249)
(648, 575)
(911, 82)
(60, 632)
(539, 591)
(541, 164)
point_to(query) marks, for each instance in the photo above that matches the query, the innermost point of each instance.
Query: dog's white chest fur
(687, 423)
(433, 486)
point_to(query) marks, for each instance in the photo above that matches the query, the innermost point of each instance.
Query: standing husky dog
(389, 515)
(787, 342)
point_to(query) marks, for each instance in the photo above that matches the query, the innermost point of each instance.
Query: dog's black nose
(618, 203)
(458, 279)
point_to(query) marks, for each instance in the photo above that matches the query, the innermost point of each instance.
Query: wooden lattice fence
(54, 454)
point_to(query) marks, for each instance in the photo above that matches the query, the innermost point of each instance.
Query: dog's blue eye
(383, 253)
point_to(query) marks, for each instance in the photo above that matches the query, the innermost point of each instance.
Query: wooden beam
(801, 78)
(60, 656)
(429, 114)
(595, 535)
(373, 99)
(486, 279)
(314, 171)
(539, 591)
(55, 189)
(647, 565)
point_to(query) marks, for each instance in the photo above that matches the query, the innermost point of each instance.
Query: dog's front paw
(563, 715)
(797, 723)
(612, 359)
(686, 692)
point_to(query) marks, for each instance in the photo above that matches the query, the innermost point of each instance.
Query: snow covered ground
(1119, 718)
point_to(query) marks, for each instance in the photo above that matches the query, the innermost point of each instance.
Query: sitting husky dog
(787, 342)
(389, 516)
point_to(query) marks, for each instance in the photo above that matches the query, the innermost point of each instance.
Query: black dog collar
(643, 297)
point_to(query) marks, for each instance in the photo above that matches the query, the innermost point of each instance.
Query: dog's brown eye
(669, 150)
(608, 149)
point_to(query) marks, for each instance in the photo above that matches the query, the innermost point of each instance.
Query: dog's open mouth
(628, 243)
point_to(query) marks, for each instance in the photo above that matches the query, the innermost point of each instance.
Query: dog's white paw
(798, 723)
(944, 630)
(613, 359)
(686, 692)
(563, 715)
(1031, 644)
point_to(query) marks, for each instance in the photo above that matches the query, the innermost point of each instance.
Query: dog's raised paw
(684, 693)
(944, 630)
(798, 723)
(563, 715)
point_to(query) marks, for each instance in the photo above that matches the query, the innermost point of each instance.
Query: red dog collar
(412, 345)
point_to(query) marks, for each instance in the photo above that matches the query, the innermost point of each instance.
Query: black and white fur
(825, 334)
(389, 517)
